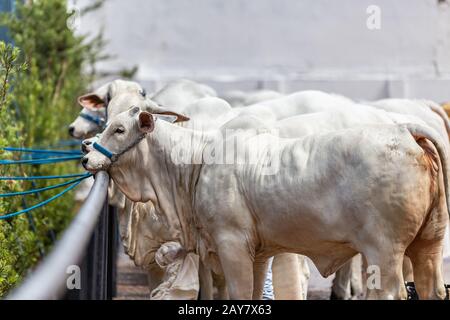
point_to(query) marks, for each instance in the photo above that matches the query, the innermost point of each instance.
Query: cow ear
(179, 117)
(146, 122)
(91, 101)
(152, 107)
(134, 111)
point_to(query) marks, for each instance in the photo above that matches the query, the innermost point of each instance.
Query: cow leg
(426, 250)
(305, 274)
(155, 276)
(426, 259)
(356, 282)
(237, 265)
(340, 289)
(206, 282)
(407, 270)
(259, 276)
(385, 275)
(219, 283)
(287, 277)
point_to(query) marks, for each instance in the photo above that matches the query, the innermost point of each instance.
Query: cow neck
(169, 186)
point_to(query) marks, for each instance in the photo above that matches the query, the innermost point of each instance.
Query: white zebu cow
(136, 238)
(354, 115)
(300, 104)
(348, 282)
(321, 194)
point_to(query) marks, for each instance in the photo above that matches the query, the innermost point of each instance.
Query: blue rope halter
(97, 120)
(115, 156)
(103, 150)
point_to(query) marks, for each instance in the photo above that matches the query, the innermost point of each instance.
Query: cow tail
(419, 131)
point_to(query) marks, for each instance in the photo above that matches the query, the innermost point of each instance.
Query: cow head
(122, 134)
(88, 123)
(93, 116)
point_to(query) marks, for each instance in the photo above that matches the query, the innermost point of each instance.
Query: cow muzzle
(84, 162)
(86, 146)
(71, 131)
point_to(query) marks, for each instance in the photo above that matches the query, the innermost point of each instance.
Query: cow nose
(71, 130)
(84, 146)
(84, 162)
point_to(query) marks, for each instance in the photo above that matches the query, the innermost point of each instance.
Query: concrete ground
(132, 281)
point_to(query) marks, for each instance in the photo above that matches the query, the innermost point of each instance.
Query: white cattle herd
(209, 189)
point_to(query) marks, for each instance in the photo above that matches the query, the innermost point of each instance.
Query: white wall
(282, 44)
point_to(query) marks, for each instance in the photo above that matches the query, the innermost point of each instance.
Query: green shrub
(16, 240)
(36, 113)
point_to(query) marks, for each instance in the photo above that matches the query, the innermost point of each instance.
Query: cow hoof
(334, 296)
(412, 293)
(411, 289)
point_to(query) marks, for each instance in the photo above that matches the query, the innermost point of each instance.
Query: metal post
(99, 264)
(95, 265)
(113, 233)
(49, 279)
(98, 259)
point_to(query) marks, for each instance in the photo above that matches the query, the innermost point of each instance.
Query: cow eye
(119, 130)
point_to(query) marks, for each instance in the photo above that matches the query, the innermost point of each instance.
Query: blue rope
(38, 190)
(39, 156)
(97, 120)
(66, 143)
(41, 161)
(103, 150)
(41, 204)
(44, 177)
(62, 144)
(43, 151)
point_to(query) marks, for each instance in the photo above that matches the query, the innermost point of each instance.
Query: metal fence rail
(93, 229)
